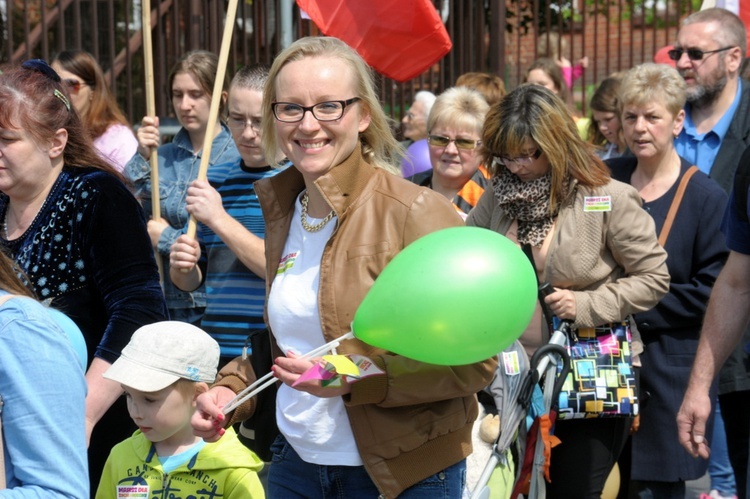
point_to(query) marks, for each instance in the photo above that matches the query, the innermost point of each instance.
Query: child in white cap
(162, 370)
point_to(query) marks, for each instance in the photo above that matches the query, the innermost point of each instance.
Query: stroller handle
(541, 359)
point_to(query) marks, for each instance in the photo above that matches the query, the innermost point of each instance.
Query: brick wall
(611, 44)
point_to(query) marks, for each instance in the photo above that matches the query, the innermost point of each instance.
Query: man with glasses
(232, 227)
(710, 47)
(708, 54)
(233, 263)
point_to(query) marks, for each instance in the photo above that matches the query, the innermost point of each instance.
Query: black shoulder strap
(542, 288)
(526, 247)
(741, 186)
(259, 431)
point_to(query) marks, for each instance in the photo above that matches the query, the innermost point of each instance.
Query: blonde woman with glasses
(455, 125)
(333, 222)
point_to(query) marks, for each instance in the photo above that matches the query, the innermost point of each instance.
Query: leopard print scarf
(526, 202)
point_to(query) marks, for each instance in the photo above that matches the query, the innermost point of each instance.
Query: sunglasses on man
(694, 54)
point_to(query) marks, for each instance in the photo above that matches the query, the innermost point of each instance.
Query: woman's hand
(148, 136)
(208, 420)
(562, 303)
(288, 369)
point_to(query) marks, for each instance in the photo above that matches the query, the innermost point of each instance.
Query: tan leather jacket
(416, 420)
(611, 260)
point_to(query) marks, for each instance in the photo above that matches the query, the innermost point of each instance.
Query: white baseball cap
(163, 352)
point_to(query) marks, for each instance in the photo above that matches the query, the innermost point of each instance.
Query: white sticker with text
(597, 203)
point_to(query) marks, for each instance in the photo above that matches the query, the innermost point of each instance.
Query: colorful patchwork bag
(601, 382)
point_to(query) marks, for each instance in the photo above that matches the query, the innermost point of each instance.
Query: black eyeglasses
(41, 66)
(441, 141)
(693, 54)
(524, 160)
(332, 110)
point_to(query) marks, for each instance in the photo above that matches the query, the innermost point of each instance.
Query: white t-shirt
(317, 428)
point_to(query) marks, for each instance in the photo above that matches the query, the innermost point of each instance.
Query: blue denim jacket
(178, 167)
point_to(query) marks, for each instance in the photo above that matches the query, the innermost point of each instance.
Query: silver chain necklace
(303, 218)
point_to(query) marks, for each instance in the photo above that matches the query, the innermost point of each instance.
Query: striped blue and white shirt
(235, 295)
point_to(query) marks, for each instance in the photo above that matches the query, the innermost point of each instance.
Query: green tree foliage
(548, 15)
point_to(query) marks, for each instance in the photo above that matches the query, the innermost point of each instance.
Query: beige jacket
(416, 420)
(611, 260)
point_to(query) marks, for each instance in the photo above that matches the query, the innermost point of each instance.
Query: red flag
(744, 13)
(662, 56)
(398, 38)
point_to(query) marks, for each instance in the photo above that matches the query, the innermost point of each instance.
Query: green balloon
(453, 297)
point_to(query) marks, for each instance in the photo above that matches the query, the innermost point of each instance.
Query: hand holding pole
(213, 115)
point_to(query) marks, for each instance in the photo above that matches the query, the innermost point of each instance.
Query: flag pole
(148, 62)
(215, 101)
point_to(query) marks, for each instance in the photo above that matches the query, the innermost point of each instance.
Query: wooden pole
(213, 115)
(148, 62)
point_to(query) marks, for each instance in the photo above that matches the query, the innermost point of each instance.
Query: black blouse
(88, 253)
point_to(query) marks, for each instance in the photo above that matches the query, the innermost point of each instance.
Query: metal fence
(501, 37)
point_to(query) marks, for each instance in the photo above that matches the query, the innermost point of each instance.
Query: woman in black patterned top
(78, 233)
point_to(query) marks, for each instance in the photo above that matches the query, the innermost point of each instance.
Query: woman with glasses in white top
(454, 127)
(587, 236)
(333, 222)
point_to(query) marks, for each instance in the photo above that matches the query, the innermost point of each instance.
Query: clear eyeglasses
(238, 124)
(524, 160)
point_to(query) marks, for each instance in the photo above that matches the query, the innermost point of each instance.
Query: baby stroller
(520, 457)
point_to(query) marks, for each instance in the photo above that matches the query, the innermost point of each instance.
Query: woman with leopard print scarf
(589, 238)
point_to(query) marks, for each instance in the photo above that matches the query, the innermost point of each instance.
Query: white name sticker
(597, 203)
(286, 262)
(511, 363)
(132, 492)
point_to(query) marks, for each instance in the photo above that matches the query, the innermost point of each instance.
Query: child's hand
(208, 420)
(584, 62)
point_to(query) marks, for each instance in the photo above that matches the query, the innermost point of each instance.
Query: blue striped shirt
(235, 295)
